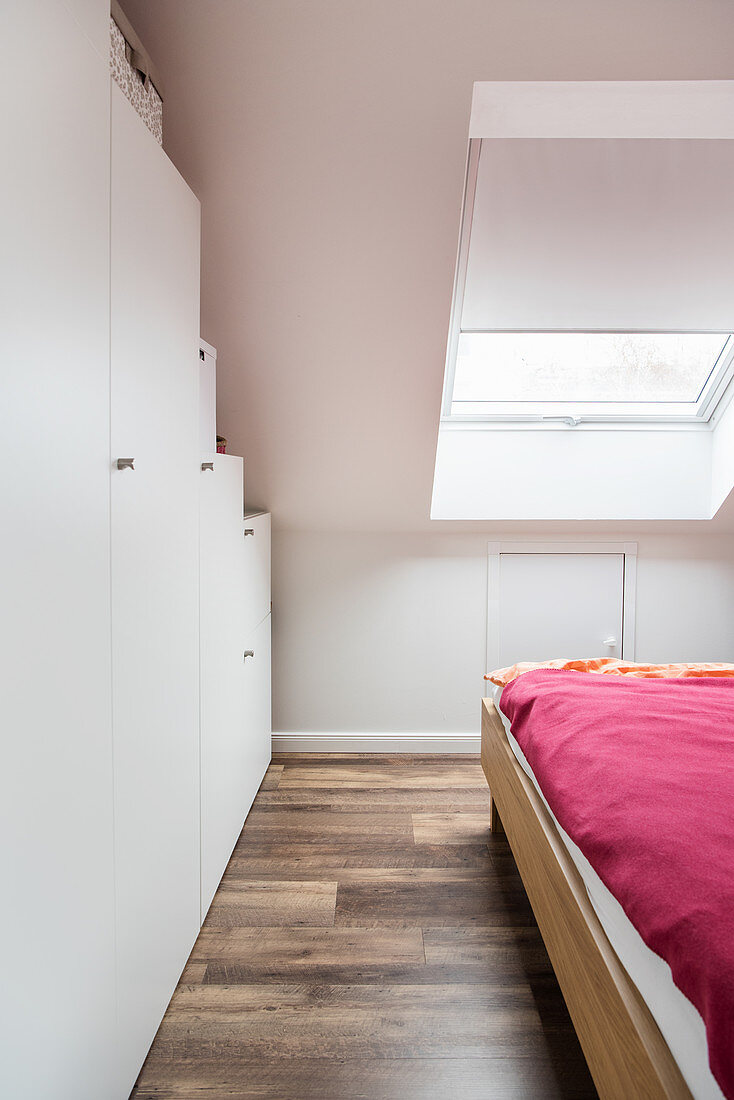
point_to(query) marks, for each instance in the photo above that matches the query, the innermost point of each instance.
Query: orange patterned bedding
(614, 666)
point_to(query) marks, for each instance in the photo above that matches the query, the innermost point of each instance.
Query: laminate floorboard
(370, 940)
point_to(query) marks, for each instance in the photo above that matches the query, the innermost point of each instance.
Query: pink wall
(327, 141)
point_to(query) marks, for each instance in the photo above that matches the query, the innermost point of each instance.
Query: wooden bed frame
(627, 1056)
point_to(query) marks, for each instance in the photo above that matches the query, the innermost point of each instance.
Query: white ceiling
(327, 141)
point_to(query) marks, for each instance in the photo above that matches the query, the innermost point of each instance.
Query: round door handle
(125, 464)
(249, 653)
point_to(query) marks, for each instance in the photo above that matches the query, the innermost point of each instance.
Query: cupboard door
(258, 720)
(155, 575)
(224, 751)
(257, 568)
(559, 605)
(56, 920)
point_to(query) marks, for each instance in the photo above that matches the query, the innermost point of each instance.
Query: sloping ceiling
(327, 142)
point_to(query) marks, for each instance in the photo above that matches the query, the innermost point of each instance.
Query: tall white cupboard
(155, 565)
(235, 664)
(130, 755)
(57, 1009)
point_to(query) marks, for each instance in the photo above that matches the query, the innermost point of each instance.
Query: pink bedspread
(640, 774)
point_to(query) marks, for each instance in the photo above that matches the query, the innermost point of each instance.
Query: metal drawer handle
(249, 531)
(208, 466)
(125, 464)
(249, 653)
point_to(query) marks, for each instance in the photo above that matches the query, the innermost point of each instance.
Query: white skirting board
(377, 742)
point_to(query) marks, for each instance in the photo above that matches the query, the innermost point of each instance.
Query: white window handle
(610, 642)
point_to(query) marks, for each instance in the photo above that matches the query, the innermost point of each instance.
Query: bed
(641, 1035)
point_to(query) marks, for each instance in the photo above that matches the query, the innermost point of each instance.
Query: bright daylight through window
(595, 375)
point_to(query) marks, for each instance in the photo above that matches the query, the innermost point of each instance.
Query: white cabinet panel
(257, 568)
(155, 567)
(559, 605)
(258, 711)
(235, 732)
(207, 402)
(56, 921)
(93, 17)
(224, 755)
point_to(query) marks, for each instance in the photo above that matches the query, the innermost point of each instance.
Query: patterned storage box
(135, 82)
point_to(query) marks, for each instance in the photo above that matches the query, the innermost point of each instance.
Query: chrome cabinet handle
(208, 466)
(249, 653)
(249, 531)
(125, 464)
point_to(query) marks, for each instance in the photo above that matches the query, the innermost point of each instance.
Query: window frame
(551, 414)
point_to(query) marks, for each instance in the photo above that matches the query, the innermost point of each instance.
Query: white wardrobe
(57, 1011)
(235, 664)
(131, 752)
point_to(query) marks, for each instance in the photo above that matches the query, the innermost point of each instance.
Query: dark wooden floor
(369, 940)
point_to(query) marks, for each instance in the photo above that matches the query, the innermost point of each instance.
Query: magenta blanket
(640, 774)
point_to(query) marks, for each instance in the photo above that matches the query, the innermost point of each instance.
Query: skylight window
(594, 279)
(590, 353)
(588, 374)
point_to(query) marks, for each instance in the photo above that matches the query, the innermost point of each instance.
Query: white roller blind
(600, 205)
(611, 234)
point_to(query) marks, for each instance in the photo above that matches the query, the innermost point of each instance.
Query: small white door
(556, 605)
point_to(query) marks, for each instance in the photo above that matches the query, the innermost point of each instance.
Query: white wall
(388, 632)
(722, 457)
(685, 596)
(582, 473)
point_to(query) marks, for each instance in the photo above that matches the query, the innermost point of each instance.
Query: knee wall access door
(552, 600)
